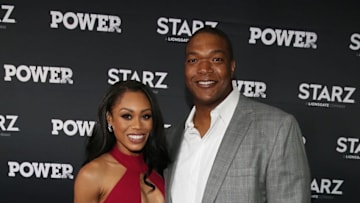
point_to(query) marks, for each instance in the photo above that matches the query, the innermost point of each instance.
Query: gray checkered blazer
(261, 159)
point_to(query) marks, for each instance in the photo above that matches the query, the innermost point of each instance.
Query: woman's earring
(110, 127)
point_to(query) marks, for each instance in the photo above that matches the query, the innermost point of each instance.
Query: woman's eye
(147, 116)
(126, 116)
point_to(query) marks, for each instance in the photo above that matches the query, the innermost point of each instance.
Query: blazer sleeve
(288, 173)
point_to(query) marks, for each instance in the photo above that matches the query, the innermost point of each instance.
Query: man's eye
(126, 116)
(218, 60)
(192, 60)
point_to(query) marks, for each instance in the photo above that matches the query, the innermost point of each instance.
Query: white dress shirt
(197, 154)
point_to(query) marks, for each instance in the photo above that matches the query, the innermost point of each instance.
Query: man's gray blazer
(261, 158)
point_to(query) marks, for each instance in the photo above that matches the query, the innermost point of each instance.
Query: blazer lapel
(234, 135)
(174, 139)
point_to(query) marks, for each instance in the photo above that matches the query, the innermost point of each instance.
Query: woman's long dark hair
(102, 141)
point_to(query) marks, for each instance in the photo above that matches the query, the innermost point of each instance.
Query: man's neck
(202, 120)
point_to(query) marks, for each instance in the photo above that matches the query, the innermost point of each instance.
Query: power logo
(40, 170)
(287, 38)
(72, 127)
(153, 79)
(5, 14)
(86, 21)
(38, 74)
(251, 88)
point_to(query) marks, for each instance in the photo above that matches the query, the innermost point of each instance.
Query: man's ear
(233, 65)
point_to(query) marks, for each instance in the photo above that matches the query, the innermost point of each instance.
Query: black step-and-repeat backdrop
(57, 59)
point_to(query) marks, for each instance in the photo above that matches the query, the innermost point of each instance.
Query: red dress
(127, 189)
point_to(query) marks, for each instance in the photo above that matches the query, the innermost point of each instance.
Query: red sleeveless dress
(127, 189)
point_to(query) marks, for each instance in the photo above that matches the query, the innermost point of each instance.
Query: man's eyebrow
(213, 52)
(218, 51)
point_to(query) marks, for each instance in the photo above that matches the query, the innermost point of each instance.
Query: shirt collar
(225, 109)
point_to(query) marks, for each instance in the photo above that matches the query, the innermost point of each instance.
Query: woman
(126, 153)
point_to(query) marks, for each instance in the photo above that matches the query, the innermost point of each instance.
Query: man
(230, 148)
